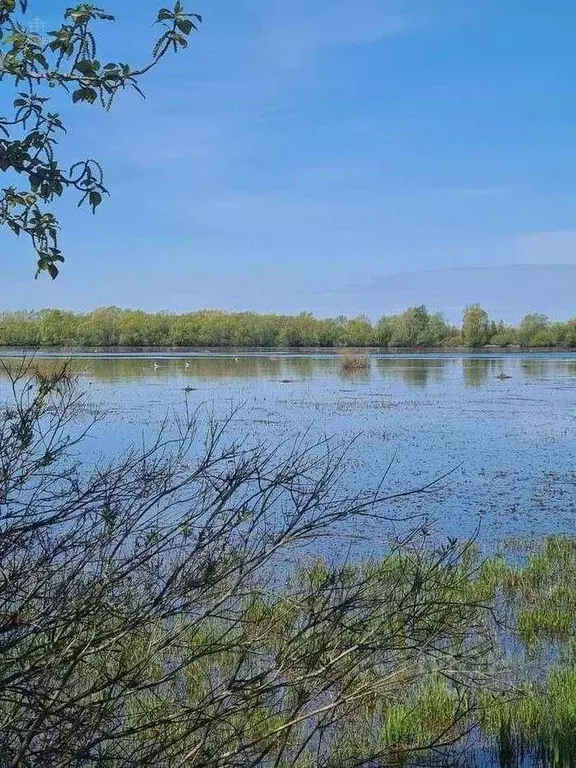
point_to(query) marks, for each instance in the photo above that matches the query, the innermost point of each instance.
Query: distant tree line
(415, 327)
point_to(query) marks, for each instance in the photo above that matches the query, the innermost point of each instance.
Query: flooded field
(492, 439)
(503, 426)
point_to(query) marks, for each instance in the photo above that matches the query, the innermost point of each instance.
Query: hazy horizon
(546, 289)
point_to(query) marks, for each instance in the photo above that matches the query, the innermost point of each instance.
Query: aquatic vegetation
(541, 720)
(354, 363)
(536, 601)
(527, 716)
(524, 713)
(543, 589)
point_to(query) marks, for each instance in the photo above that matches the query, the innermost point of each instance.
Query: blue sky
(338, 156)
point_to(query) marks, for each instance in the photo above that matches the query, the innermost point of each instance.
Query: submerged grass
(532, 719)
(525, 713)
(541, 719)
(527, 717)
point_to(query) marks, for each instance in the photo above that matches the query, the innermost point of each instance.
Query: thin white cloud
(554, 247)
(477, 192)
(295, 31)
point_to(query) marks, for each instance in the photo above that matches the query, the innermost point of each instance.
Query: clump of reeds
(354, 363)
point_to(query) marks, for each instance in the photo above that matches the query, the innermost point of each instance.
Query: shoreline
(277, 351)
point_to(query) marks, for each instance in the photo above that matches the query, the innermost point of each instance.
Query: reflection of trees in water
(535, 369)
(567, 367)
(413, 371)
(477, 369)
(118, 368)
(416, 371)
(305, 367)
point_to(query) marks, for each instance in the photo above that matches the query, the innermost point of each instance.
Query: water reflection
(542, 368)
(355, 375)
(417, 371)
(477, 369)
(205, 368)
(536, 369)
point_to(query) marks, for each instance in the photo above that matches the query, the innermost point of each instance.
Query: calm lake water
(511, 442)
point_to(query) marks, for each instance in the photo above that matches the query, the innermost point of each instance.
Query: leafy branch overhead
(65, 58)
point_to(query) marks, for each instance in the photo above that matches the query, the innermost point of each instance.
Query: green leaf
(86, 67)
(94, 198)
(185, 26)
(84, 94)
(52, 270)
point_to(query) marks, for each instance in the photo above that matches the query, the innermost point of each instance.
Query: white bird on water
(187, 365)
(156, 366)
(235, 359)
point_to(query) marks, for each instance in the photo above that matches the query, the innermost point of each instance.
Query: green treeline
(415, 327)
